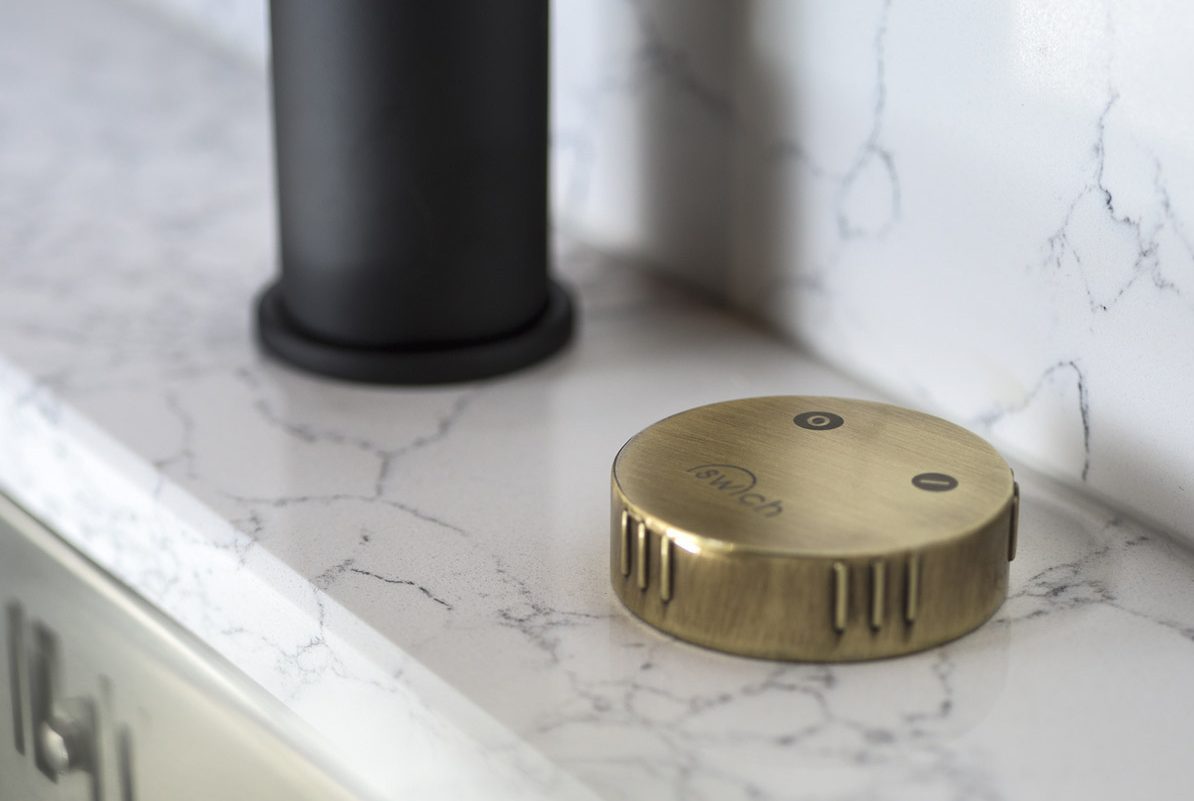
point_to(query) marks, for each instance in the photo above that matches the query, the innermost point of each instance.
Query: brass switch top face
(811, 528)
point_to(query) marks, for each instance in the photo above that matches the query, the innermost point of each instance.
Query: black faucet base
(433, 364)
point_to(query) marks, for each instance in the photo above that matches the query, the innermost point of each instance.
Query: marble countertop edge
(195, 566)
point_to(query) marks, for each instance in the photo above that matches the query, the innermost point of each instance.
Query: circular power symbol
(818, 421)
(934, 482)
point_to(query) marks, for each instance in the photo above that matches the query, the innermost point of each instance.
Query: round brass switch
(808, 528)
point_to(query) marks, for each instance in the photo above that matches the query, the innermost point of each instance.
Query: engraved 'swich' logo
(738, 483)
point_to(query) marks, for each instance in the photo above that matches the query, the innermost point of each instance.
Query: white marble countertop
(422, 574)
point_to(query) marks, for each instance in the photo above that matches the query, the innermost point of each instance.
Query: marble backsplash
(985, 209)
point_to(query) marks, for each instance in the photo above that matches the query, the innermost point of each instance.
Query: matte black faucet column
(411, 141)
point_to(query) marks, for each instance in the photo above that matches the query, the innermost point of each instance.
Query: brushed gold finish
(912, 588)
(841, 596)
(878, 588)
(788, 526)
(624, 544)
(640, 556)
(665, 568)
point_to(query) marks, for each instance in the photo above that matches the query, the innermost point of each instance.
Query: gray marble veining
(984, 211)
(422, 574)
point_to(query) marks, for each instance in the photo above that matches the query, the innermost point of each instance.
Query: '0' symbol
(818, 421)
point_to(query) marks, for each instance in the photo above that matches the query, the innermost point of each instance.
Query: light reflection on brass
(788, 527)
